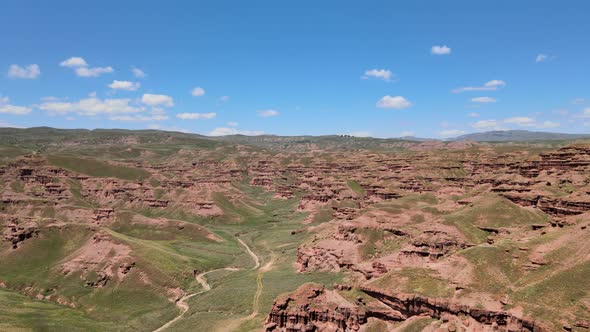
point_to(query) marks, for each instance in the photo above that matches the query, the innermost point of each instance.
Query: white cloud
(268, 113)
(383, 74)
(138, 117)
(29, 72)
(473, 114)
(15, 110)
(486, 124)
(224, 99)
(483, 100)
(74, 62)
(6, 108)
(196, 116)
(440, 50)
(223, 131)
(198, 92)
(488, 86)
(138, 72)
(90, 107)
(541, 58)
(81, 67)
(155, 100)
(397, 102)
(451, 133)
(232, 124)
(521, 121)
(548, 124)
(93, 72)
(124, 85)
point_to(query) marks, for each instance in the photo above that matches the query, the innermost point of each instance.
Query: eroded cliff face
(315, 308)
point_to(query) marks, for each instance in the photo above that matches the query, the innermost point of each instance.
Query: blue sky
(380, 68)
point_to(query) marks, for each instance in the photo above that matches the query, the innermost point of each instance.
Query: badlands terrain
(113, 230)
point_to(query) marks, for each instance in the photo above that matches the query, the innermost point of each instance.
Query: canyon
(432, 236)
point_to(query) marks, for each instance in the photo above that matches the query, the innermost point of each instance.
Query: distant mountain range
(45, 136)
(518, 136)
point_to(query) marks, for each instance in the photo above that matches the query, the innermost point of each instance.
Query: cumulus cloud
(28, 72)
(224, 99)
(397, 102)
(232, 124)
(93, 72)
(74, 62)
(473, 115)
(488, 86)
(15, 110)
(138, 72)
(198, 92)
(440, 50)
(157, 100)
(268, 113)
(543, 58)
(223, 131)
(549, 124)
(383, 74)
(81, 68)
(483, 100)
(124, 85)
(7, 108)
(90, 107)
(196, 116)
(451, 133)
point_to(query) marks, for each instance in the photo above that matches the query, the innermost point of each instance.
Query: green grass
(415, 280)
(356, 187)
(495, 271)
(19, 312)
(97, 168)
(495, 212)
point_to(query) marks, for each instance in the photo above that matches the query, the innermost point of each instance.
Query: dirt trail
(236, 323)
(182, 302)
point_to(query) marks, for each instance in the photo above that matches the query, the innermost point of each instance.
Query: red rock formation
(412, 305)
(17, 231)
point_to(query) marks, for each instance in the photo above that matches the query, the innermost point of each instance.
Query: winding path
(182, 302)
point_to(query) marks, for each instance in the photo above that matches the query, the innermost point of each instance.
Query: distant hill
(416, 139)
(518, 136)
(306, 142)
